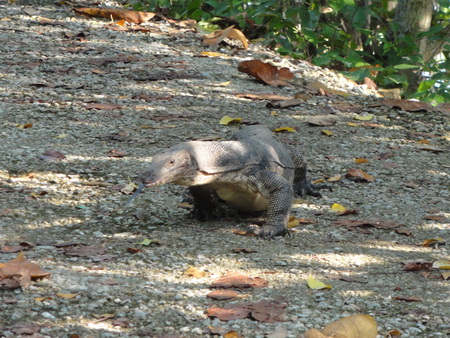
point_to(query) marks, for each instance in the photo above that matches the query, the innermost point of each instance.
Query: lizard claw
(305, 187)
(268, 231)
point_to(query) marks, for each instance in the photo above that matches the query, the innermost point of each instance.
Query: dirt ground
(104, 101)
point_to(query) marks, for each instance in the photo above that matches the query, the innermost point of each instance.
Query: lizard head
(168, 166)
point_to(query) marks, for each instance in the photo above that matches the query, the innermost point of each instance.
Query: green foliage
(344, 35)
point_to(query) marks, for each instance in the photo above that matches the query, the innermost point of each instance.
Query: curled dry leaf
(408, 105)
(224, 294)
(229, 120)
(316, 284)
(266, 72)
(239, 281)
(356, 326)
(194, 272)
(19, 272)
(417, 266)
(52, 155)
(263, 311)
(229, 32)
(359, 175)
(322, 121)
(117, 14)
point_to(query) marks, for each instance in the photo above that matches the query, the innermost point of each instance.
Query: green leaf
(405, 66)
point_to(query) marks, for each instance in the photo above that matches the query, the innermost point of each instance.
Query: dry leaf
(24, 126)
(284, 103)
(322, 121)
(251, 96)
(224, 294)
(408, 299)
(52, 155)
(19, 272)
(236, 280)
(327, 132)
(364, 118)
(194, 272)
(361, 160)
(266, 72)
(117, 14)
(408, 105)
(229, 32)
(352, 224)
(417, 265)
(356, 326)
(359, 175)
(433, 242)
(442, 264)
(67, 295)
(262, 311)
(213, 54)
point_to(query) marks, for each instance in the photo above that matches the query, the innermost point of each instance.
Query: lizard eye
(172, 162)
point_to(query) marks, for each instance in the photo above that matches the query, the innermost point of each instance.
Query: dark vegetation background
(398, 43)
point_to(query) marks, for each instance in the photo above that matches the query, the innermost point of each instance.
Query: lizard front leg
(205, 208)
(280, 194)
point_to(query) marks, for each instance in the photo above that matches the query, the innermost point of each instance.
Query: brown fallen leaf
(239, 281)
(224, 294)
(102, 106)
(26, 329)
(122, 322)
(285, 103)
(408, 105)
(351, 224)
(266, 72)
(19, 272)
(417, 265)
(262, 311)
(22, 246)
(322, 121)
(359, 176)
(117, 153)
(273, 97)
(229, 32)
(356, 326)
(117, 14)
(52, 155)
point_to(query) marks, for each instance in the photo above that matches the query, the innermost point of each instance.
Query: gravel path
(108, 100)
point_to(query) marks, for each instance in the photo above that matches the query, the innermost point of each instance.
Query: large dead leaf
(266, 72)
(224, 294)
(52, 155)
(239, 281)
(351, 224)
(408, 105)
(417, 265)
(117, 14)
(359, 176)
(262, 311)
(322, 121)
(284, 103)
(19, 272)
(357, 326)
(96, 252)
(230, 32)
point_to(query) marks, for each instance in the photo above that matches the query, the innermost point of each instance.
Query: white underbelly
(246, 200)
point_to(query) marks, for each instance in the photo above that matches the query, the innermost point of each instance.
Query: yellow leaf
(41, 299)
(66, 295)
(364, 118)
(327, 132)
(336, 207)
(432, 241)
(292, 222)
(320, 180)
(361, 160)
(356, 326)
(273, 113)
(334, 178)
(316, 284)
(61, 136)
(224, 84)
(238, 35)
(227, 120)
(442, 264)
(284, 129)
(194, 272)
(213, 54)
(351, 124)
(24, 126)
